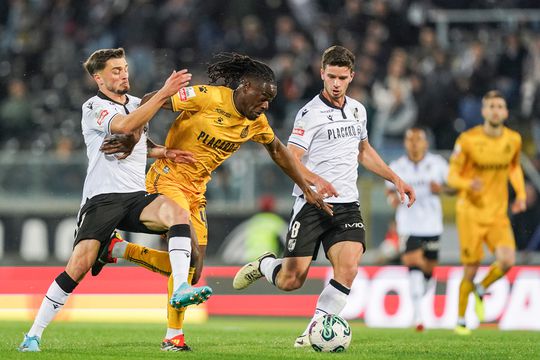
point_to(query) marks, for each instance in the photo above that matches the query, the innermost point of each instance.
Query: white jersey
(424, 218)
(331, 137)
(106, 174)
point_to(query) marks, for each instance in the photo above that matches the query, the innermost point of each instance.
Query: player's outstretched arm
(122, 145)
(285, 160)
(166, 105)
(126, 124)
(161, 152)
(322, 186)
(370, 159)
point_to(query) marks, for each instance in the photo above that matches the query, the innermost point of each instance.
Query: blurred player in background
(330, 139)
(420, 226)
(114, 195)
(213, 123)
(484, 159)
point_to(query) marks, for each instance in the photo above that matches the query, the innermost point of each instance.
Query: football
(330, 333)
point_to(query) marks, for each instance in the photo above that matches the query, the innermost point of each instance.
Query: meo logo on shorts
(357, 225)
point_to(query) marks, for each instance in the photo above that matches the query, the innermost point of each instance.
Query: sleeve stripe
(109, 124)
(300, 146)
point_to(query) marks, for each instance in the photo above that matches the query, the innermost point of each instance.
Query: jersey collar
(329, 104)
(233, 105)
(105, 97)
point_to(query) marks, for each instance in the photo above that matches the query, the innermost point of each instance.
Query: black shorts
(430, 245)
(104, 213)
(310, 226)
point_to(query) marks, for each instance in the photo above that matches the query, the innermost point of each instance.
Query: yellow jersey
(492, 160)
(211, 128)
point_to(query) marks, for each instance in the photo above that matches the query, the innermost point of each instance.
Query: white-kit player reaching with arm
(420, 226)
(330, 139)
(114, 193)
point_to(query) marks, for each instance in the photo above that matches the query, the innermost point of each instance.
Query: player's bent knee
(506, 264)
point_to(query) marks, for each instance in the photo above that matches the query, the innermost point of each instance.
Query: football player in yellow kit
(214, 122)
(484, 159)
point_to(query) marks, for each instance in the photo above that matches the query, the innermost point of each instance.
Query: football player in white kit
(330, 139)
(419, 227)
(114, 193)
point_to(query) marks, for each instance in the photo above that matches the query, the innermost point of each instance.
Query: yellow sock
(494, 274)
(175, 317)
(465, 289)
(151, 259)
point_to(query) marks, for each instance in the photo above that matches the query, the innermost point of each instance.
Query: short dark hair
(493, 94)
(338, 56)
(232, 68)
(96, 62)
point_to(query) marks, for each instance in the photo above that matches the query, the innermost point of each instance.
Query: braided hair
(232, 68)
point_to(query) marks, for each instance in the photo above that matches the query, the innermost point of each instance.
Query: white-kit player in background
(420, 226)
(330, 139)
(114, 194)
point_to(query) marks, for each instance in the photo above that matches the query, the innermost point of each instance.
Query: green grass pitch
(262, 338)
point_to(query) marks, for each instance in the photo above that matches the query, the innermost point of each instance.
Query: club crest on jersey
(186, 93)
(101, 116)
(355, 114)
(244, 132)
(291, 244)
(298, 131)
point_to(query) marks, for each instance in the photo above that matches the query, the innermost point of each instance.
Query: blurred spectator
(510, 69)
(475, 76)
(42, 40)
(16, 115)
(437, 98)
(396, 106)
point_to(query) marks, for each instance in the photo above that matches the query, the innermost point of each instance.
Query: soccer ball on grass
(330, 333)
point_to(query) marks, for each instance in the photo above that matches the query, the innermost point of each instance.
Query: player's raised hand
(316, 199)
(518, 206)
(177, 80)
(180, 156)
(325, 188)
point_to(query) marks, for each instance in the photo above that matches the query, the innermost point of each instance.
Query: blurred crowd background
(414, 67)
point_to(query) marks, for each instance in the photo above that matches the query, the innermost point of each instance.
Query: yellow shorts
(472, 234)
(196, 205)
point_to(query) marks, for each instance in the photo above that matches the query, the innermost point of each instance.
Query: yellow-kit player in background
(213, 123)
(484, 159)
